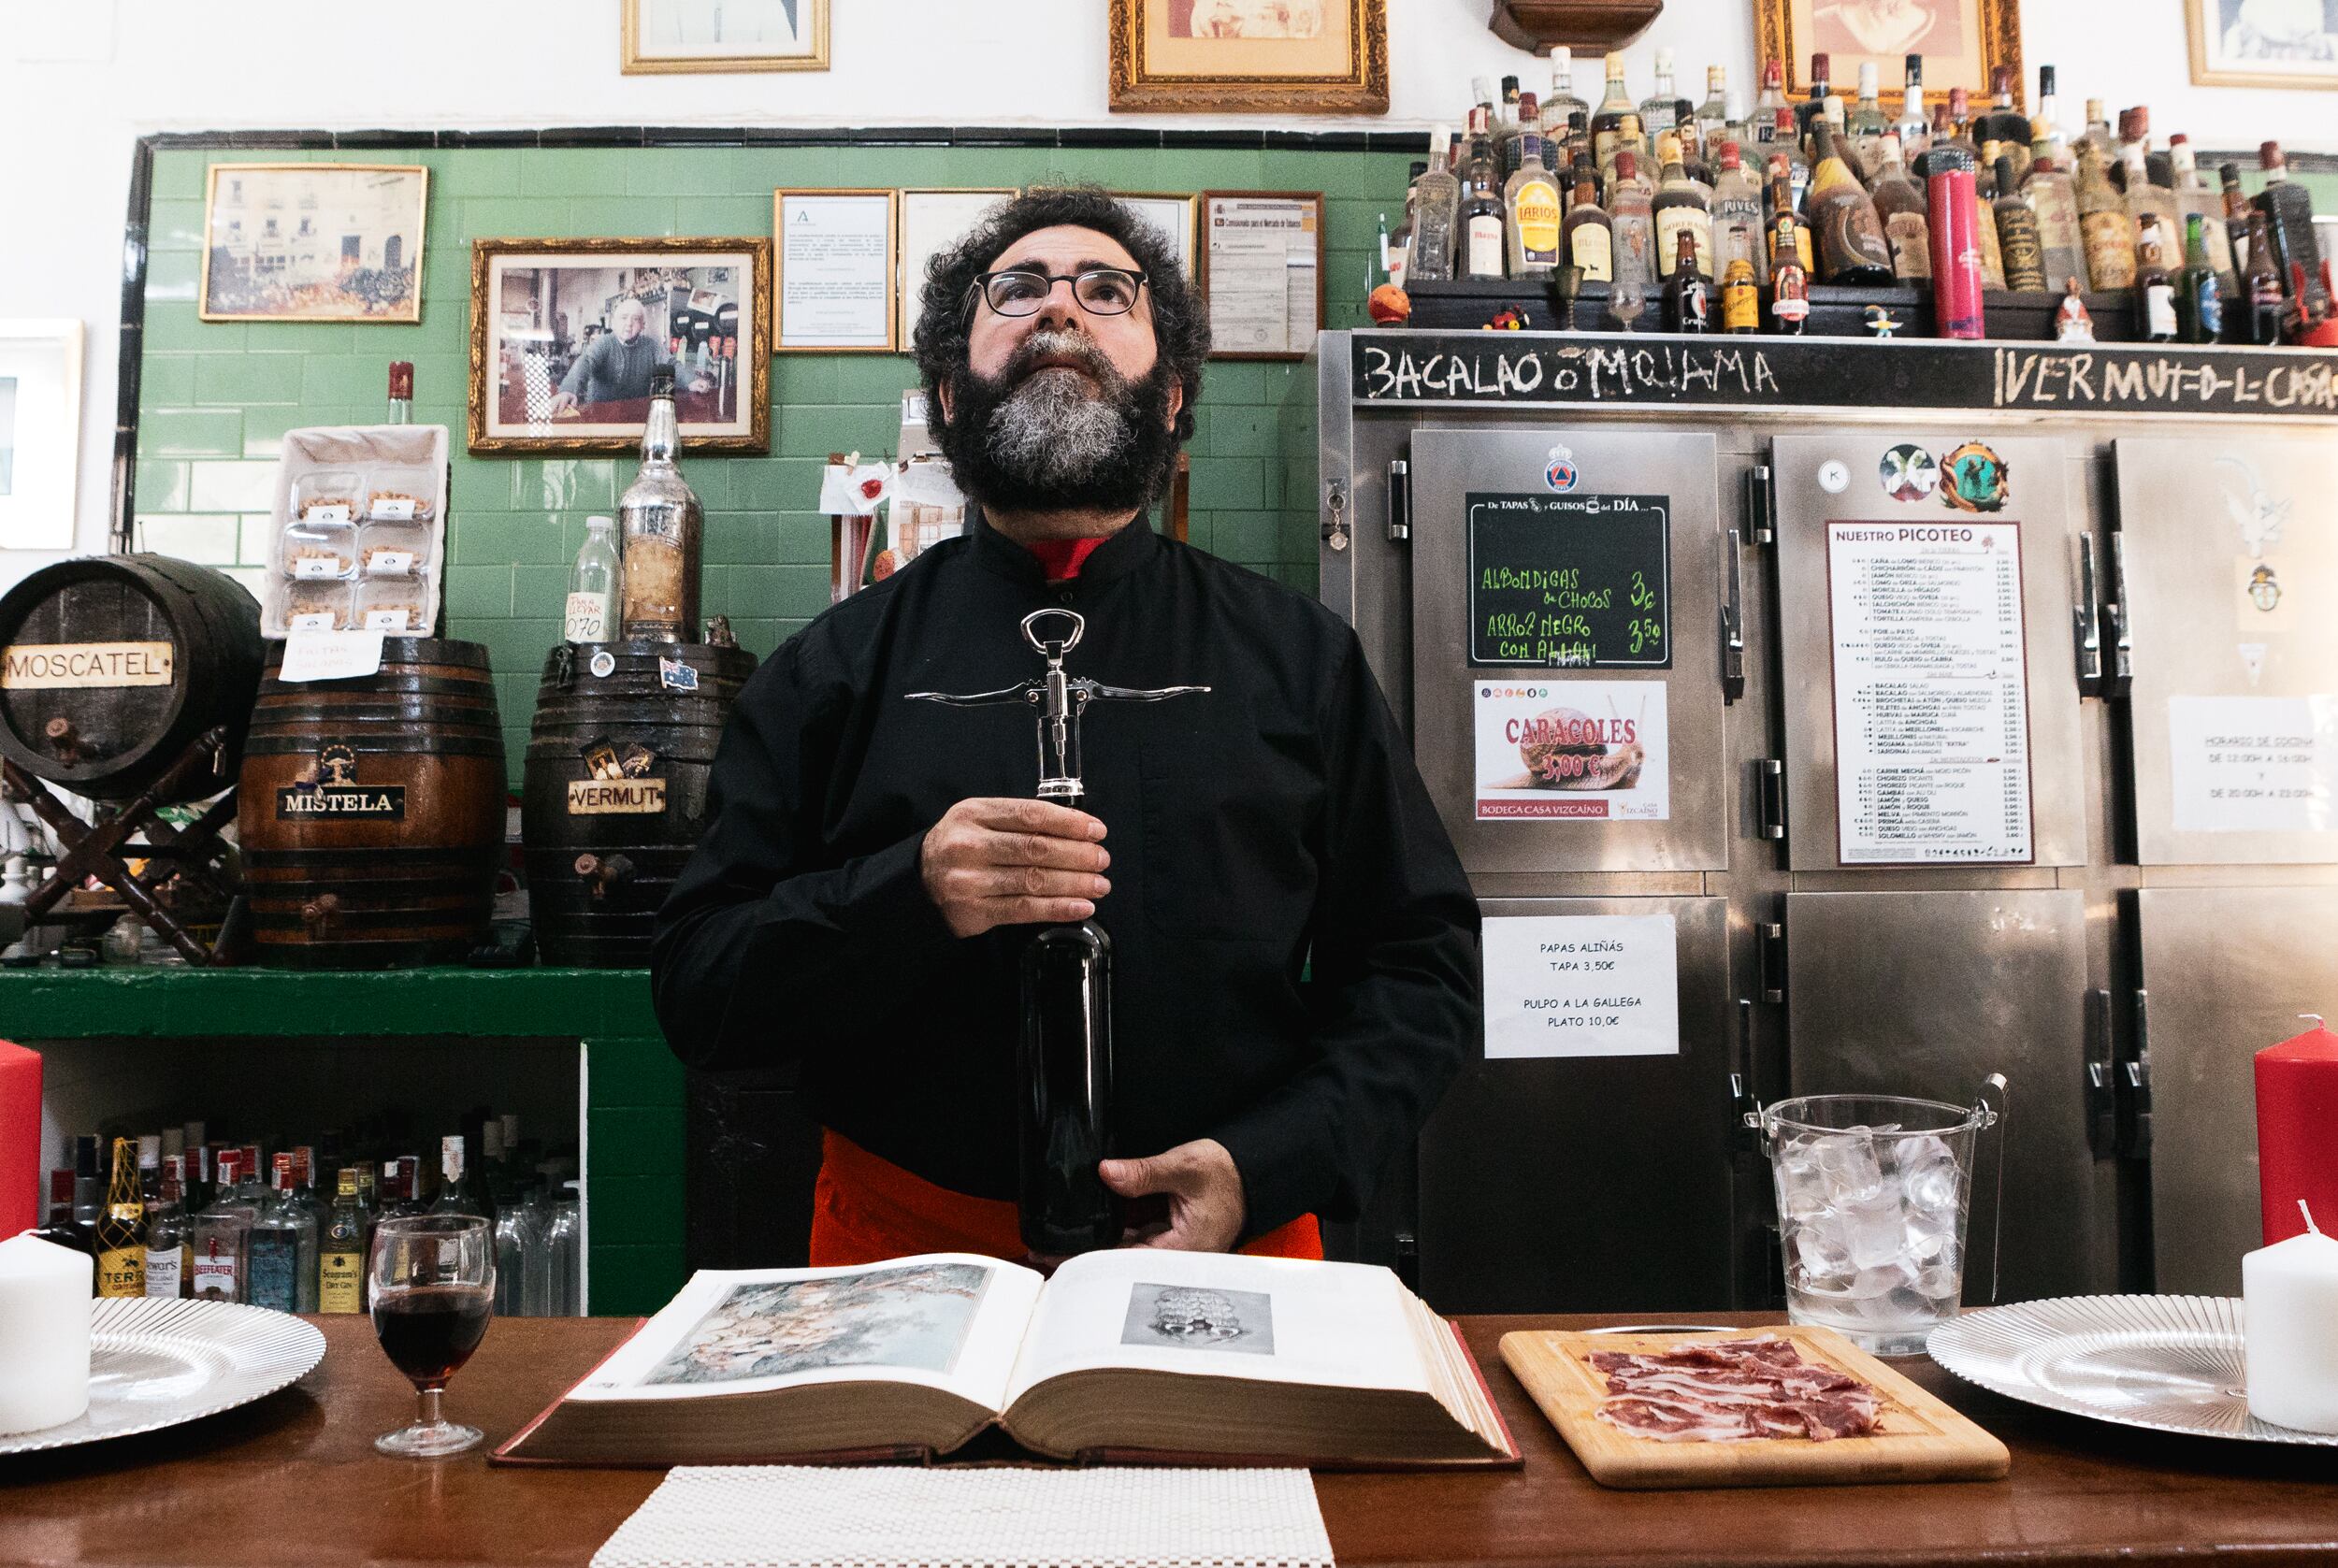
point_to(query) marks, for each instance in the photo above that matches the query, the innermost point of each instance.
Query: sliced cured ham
(1732, 1390)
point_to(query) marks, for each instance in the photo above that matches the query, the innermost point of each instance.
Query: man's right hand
(1002, 862)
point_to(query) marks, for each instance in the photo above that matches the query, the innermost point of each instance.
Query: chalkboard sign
(1575, 582)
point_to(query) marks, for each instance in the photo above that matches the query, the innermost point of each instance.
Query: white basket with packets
(360, 539)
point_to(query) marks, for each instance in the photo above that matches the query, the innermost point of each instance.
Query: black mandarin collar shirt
(1273, 826)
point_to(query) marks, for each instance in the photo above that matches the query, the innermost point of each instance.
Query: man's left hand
(1203, 1190)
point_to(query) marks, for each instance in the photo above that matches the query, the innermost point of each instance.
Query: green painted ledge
(634, 1087)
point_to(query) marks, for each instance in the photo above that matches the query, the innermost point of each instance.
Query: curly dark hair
(1180, 328)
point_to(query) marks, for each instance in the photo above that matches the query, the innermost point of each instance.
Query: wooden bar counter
(294, 1481)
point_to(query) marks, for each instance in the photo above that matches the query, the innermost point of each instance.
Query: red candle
(19, 1139)
(2296, 1129)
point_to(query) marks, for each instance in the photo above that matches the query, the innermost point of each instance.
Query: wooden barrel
(111, 665)
(613, 794)
(372, 811)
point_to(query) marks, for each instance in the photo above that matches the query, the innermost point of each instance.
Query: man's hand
(1000, 862)
(1204, 1189)
(562, 402)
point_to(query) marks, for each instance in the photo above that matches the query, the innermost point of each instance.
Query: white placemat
(898, 1517)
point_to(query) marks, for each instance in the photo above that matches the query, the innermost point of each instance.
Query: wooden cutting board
(1917, 1436)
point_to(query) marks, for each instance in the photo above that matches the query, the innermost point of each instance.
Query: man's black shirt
(1274, 824)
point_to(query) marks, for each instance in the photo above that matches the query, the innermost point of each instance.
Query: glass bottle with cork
(1480, 225)
(1437, 200)
(2196, 198)
(2018, 233)
(1806, 112)
(2052, 197)
(1664, 110)
(1914, 126)
(1606, 120)
(1900, 204)
(2105, 226)
(1867, 122)
(122, 1229)
(1763, 121)
(1851, 244)
(1562, 103)
(1587, 234)
(1632, 216)
(1682, 207)
(2155, 284)
(2002, 122)
(401, 409)
(1736, 217)
(662, 527)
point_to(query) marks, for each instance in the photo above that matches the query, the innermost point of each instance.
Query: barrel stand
(194, 853)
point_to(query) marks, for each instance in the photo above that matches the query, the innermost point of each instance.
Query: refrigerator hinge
(2134, 1086)
(1745, 1089)
(1336, 514)
(1761, 506)
(1769, 782)
(1770, 937)
(2086, 623)
(2102, 1093)
(2119, 621)
(1732, 618)
(1399, 501)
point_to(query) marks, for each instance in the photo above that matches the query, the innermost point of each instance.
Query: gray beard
(1059, 431)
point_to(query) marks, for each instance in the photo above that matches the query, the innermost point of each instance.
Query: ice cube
(1848, 1164)
(1868, 1284)
(1929, 1175)
(1821, 1255)
(1873, 1229)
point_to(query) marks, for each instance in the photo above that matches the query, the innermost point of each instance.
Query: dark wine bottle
(1064, 1067)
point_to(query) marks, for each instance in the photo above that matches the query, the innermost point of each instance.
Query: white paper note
(836, 272)
(1582, 986)
(2253, 764)
(330, 655)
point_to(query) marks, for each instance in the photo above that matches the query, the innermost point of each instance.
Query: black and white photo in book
(1190, 1317)
(917, 1316)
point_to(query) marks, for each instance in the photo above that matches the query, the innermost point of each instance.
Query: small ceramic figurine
(1389, 306)
(2071, 322)
(1881, 322)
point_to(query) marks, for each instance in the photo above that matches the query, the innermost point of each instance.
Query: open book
(1141, 1353)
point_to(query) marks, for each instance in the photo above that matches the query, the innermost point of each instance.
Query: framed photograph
(1173, 215)
(833, 271)
(1962, 41)
(1250, 56)
(565, 335)
(313, 242)
(672, 35)
(931, 223)
(1262, 272)
(2263, 43)
(41, 432)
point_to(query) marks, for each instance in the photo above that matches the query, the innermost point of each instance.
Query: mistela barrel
(372, 811)
(613, 793)
(111, 666)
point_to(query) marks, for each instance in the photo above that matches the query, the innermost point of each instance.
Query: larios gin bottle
(661, 523)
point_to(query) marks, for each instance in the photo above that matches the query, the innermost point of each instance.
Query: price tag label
(394, 509)
(333, 514)
(308, 568)
(389, 562)
(386, 620)
(330, 655)
(315, 620)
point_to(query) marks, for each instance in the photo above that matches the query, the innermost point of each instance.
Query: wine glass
(434, 1281)
(1627, 298)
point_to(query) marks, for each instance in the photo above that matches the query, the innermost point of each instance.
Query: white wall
(68, 126)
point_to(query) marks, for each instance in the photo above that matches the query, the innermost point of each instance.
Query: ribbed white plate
(155, 1363)
(2169, 1363)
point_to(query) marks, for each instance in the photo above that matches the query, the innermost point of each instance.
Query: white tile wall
(207, 541)
(230, 486)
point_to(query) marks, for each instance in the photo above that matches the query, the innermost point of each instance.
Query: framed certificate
(931, 223)
(832, 275)
(1262, 272)
(1173, 215)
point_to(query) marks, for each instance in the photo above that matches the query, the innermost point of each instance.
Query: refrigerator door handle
(1732, 618)
(2087, 622)
(2120, 614)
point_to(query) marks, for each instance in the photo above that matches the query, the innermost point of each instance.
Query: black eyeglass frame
(980, 288)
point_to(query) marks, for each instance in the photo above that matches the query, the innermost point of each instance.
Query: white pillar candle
(45, 1292)
(2290, 1295)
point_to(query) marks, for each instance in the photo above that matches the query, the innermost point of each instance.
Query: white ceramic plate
(155, 1363)
(2169, 1363)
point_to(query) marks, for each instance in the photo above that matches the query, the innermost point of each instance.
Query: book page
(949, 1320)
(1268, 1319)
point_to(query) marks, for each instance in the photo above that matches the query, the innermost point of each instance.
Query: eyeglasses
(1101, 291)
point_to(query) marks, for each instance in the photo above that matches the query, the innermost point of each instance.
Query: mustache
(1046, 349)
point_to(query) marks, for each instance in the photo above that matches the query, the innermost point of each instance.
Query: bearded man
(1296, 946)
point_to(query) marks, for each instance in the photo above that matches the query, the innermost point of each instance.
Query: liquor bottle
(1700, 161)
(88, 1188)
(401, 392)
(1866, 123)
(2017, 233)
(2104, 225)
(169, 1236)
(2097, 134)
(1914, 127)
(1688, 299)
(1822, 84)
(1399, 247)
(1563, 102)
(1606, 120)
(1481, 226)
(2053, 196)
(1763, 120)
(1535, 214)
(122, 1229)
(284, 1246)
(1510, 146)
(1064, 1063)
(220, 1268)
(1785, 228)
(1682, 206)
(1737, 218)
(1899, 203)
(2049, 106)
(2135, 131)
(2147, 200)
(1436, 200)
(1740, 297)
(1631, 215)
(341, 1252)
(1713, 123)
(2260, 302)
(369, 1201)
(305, 1188)
(1589, 238)
(2195, 199)
(1664, 109)
(662, 526)
(1789, 284)
(2237, 213)
(150, 1165)
(594, 591)
(460, 1190)
(1955, 220)
(1830, 114)
(2290, 226)
(2155, 286)
(2200, 291)
(2004, 123)
(1851, 245)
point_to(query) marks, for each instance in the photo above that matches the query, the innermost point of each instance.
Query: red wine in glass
(430, 1332)
(434, 1284)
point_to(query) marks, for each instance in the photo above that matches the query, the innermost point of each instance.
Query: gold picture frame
(712, 57)
(283, 258)
(781, 341)
(1962, 42)
(510, 405)
(1249, 56)
(2212, 65)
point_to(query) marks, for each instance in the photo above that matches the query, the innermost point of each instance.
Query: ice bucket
(1874, 1192)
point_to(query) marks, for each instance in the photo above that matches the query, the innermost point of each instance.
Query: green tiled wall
(216, 398)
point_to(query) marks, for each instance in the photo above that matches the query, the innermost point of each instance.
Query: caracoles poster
(1572, 749)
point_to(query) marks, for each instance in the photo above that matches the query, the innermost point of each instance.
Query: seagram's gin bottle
(661, 521)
